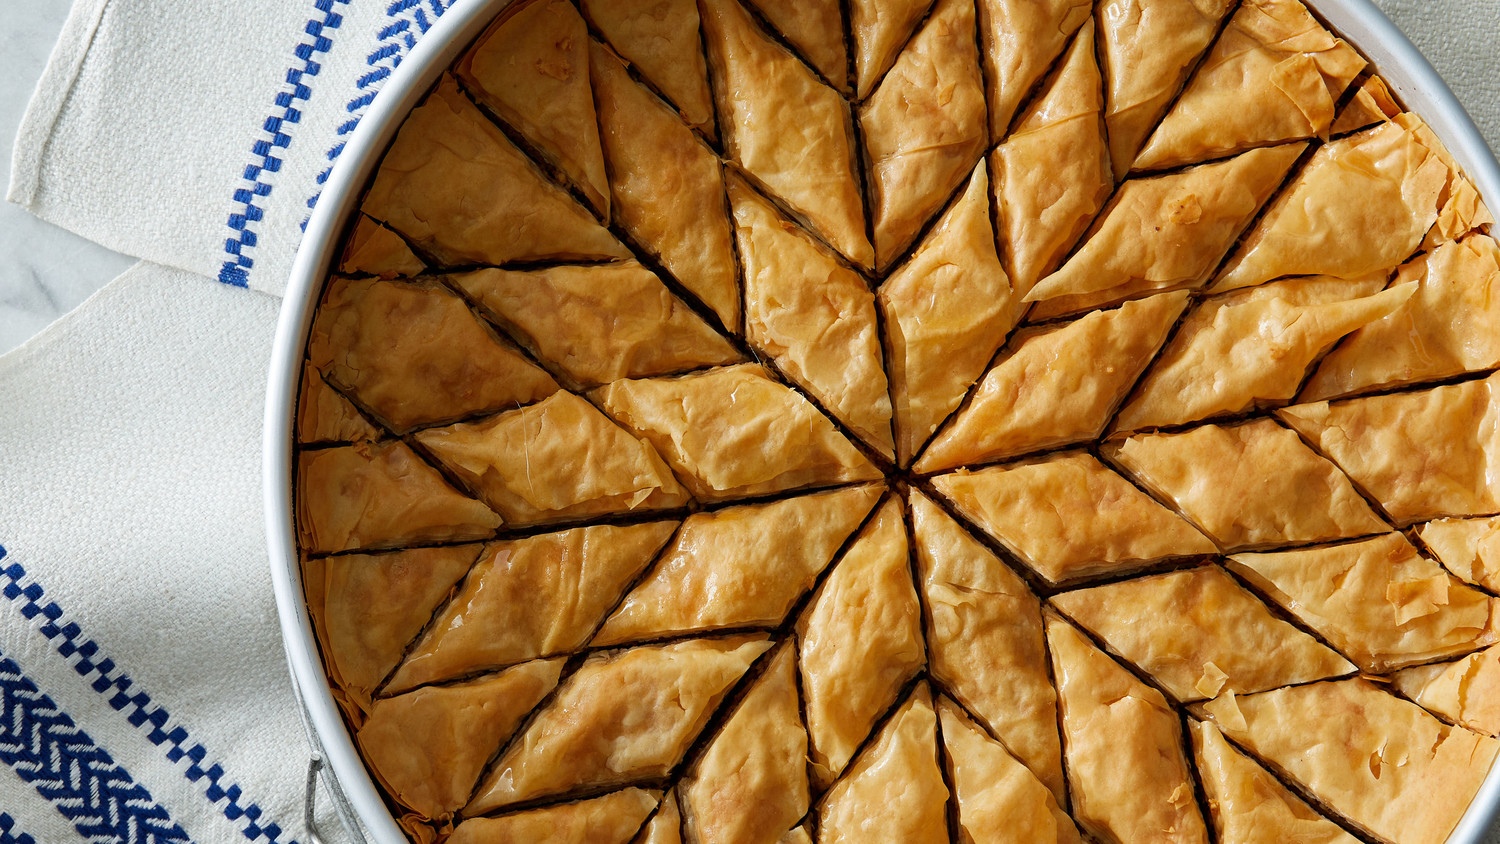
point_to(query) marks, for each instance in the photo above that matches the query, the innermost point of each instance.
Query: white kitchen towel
(144, 695)
(196, 133)
(1445, 31)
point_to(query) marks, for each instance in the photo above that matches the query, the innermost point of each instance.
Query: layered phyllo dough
(911, 421)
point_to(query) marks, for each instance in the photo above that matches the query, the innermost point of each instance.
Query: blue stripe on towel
(406, 22)
(269, 148)
(9, 834)
(122, 695)
(97, 796)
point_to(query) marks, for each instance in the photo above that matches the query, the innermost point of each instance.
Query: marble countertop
(46, 271)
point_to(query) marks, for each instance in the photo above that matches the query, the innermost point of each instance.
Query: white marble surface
(46, 271)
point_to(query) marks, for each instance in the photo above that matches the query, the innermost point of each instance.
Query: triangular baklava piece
(813, 315)
(1461, 210)
(622, 717)
(454, 185)
(380, 495)
(1052, 175)
(1021, 39)
(1450, 326)
(1218, 477)
(661, 39)
(665, 827)
(325, 416)
(815, 28)
(1127, 769)
(1148, 48)
(610, 819)
(1274, 75)
(531, 597)
(557, 459)
(1377, 600)
(414, 354)
(812, 168)
(1254, 347)
(1248, 805)
(1164, 232)
(668, 187)
(1470, 548)
(738, 567)
(532, 69)
(735, 432)
(751, 780)
(1422, 454)
(999, 800)
(373, 249)
(1392, 770)
(1372, 103)
(894, 792)
(1198, 632)
(368, 608)
(947, 311)
(924, 127)
(1056, 385)
(1070, 516)
(1466, 691)
(599, 323)
(880, 28)
(1360, 204)
(985, 644)
(429, 746)
(861, 641)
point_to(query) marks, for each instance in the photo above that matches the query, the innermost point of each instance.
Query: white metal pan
(1410, 76)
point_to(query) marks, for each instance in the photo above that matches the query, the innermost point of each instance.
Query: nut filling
(756, 421)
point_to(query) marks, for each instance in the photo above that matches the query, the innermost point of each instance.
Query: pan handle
(310, 799)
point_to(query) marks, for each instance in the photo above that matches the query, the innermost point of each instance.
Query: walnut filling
(911, 420)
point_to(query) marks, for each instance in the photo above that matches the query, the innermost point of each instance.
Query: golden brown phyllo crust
(770, 422)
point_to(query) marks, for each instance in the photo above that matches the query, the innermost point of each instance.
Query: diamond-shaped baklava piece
(622, 717)
(1388, 768)
(457, 187)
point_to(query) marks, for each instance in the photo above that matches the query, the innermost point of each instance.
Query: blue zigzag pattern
(123, 696)
(65, 766)
(409, 21)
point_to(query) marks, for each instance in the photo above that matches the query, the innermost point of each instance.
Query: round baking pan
(1411, 78)
(353, 792)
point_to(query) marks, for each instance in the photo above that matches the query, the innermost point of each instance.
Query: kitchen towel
(143, 692)
(196, 133)
(144, 695)
(1444, 31)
